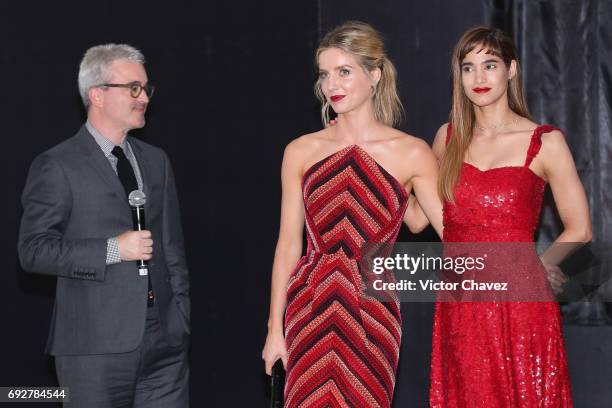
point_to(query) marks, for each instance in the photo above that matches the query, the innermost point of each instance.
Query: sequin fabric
(502, 354)
(343, 345)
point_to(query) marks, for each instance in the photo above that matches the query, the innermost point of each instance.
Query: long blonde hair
(366, 44)
(462, 118)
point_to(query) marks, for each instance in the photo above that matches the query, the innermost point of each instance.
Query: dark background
(235, 83)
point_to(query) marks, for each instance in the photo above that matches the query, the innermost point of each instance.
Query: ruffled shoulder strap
(536, 142)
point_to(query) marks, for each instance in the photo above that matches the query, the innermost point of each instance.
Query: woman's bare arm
(415, 218)
(559, 169)
(287, 254)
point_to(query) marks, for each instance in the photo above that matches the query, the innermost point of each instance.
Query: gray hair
(94, 68)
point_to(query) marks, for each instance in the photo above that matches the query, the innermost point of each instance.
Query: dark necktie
(125, 171)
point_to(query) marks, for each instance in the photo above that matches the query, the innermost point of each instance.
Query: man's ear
(96, 97)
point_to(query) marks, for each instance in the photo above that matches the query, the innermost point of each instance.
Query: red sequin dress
(343, 345)
(498, 354)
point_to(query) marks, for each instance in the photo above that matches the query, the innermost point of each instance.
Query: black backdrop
(234, 87)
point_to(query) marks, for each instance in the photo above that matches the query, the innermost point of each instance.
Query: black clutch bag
(277, 385)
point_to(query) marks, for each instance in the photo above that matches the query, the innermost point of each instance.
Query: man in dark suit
(119, 337)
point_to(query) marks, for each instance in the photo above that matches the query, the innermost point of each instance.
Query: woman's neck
(357, 126)
(495, 116)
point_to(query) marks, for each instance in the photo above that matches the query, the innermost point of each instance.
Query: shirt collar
(105, 144)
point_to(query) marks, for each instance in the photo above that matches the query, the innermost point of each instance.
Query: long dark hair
(462, 117)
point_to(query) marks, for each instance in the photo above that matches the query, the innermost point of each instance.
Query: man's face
(119, 108)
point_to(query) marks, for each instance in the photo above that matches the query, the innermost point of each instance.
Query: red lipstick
(336, 98)
(481, 90)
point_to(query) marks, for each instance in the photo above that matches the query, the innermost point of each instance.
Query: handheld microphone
(137, 201)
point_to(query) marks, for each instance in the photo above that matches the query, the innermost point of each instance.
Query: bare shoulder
(553, 142)
(403, 142)
(554, 136)
(442, 132)
(554, 157)
(411, 147)
(404, 155)
(443, 129)
(439, 143)
(304, 150)
(553, 154)
(405, 147)
(306, 144)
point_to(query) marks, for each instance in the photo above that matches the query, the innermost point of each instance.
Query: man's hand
(135, 245)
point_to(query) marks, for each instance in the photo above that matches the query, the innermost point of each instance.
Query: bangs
(482, 41)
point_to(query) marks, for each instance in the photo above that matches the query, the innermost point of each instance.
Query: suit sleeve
(174, 249)
(42, 247)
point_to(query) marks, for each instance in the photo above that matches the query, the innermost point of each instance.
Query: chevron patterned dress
(343, 345)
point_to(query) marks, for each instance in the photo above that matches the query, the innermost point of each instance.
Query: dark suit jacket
(73, 202)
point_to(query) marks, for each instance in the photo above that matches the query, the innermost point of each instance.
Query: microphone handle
(138, 217)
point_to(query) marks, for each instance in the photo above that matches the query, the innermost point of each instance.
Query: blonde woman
(350, 184)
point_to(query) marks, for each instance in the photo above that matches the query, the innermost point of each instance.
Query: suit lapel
(96, 158)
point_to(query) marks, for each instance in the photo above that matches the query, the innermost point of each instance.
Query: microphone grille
(137, 198)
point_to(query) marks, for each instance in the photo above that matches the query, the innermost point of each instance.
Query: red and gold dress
(498, 354)
(343, 345)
